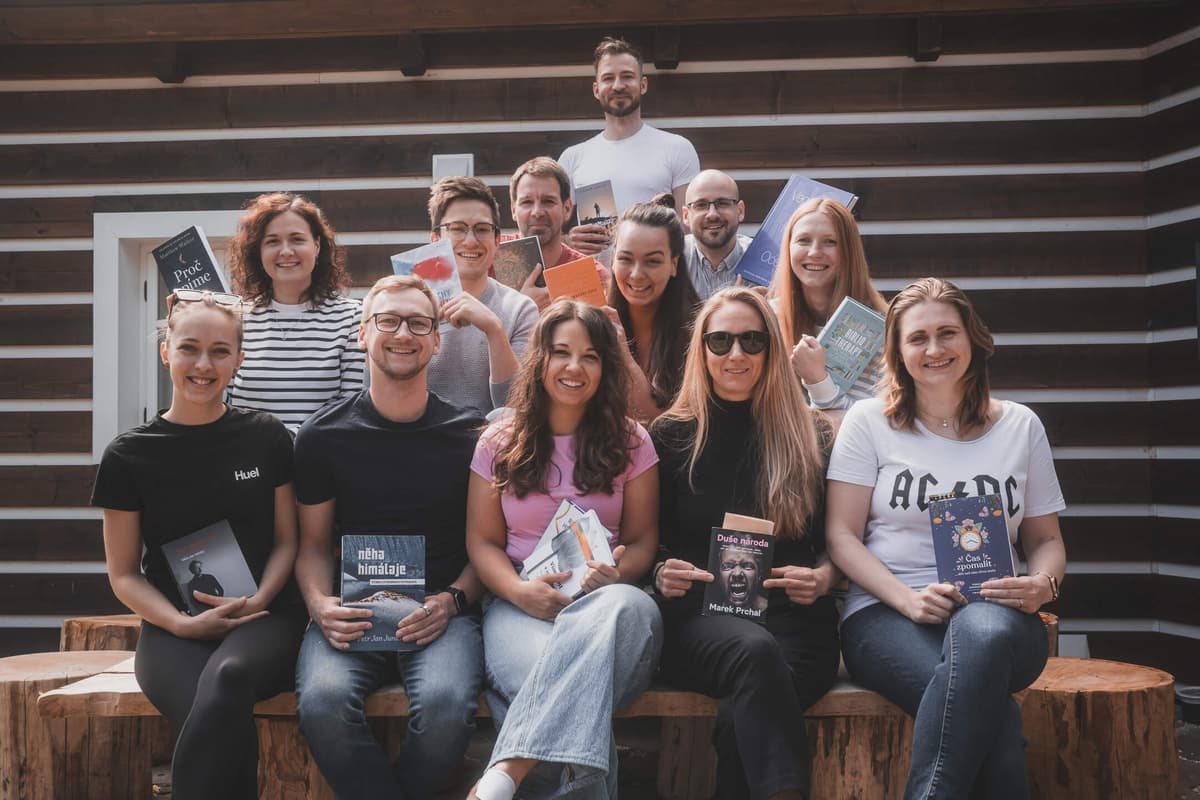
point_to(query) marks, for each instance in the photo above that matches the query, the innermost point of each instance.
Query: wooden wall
(1046, 161)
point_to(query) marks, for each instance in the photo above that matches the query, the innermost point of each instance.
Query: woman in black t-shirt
(196, 464)
(740, 438)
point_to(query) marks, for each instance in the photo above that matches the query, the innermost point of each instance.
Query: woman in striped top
(822, 262)
(301, 333)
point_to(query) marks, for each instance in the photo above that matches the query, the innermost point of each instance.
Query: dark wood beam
(170, 62)
(927, 42)
(410, 54)
(666, 47)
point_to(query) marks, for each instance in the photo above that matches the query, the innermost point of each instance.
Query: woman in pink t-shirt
(558, 666)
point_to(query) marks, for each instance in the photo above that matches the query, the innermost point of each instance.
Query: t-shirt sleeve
(313, 470)
(483, 463)
(525, 317)
(115, 487)
(353, 361)
(854, 458)
(687, 164)
(644, 454)
(1043, 494)
(282, 454)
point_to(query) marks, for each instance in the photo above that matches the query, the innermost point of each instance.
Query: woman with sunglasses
(559, 666)
(821, 262)
(740, 438)
(653, 302)
(198, 463)
(301, 332)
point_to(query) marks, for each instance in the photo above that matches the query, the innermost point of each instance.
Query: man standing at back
(640, 160)
(713, 245)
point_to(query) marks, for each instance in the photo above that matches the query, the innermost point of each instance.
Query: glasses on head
(721, 342)
(458, 230)
(418, 324)
(197, 296)
(723, 204)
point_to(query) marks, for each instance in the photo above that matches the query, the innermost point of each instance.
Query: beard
(614, 110)
(715, 240)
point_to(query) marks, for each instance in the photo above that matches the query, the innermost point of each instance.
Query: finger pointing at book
(674, 578)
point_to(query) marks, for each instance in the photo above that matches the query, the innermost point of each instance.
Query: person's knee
(443, 701)
(323, 701)
(988, 630)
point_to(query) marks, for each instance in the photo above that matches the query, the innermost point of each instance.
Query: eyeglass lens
(418, 325)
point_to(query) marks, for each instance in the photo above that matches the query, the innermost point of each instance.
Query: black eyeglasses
(723, 204)
(721, 342)
(458, 230)
(418, 324)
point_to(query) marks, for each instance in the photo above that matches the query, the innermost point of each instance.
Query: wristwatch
(460, 598)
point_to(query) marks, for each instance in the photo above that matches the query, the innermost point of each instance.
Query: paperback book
(516, 259)
(970, 541)
(573, 537)
(385, 573)
(757, 264)
(595, 205)
(739, 562)
(852, 337)
(210, 561)
(185, 261)
(578, 280)
(433, 263)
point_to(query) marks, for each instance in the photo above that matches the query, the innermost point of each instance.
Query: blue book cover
(185, 261)
(433, 263)
(209, 561)
(970, 541)
(385, 573)
(757, 264)
(852, 337)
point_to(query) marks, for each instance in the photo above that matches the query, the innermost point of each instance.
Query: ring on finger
(1020, 602)
(425, 608)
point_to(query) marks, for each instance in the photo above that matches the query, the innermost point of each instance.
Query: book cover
(210, 561)
(385, 573)
(595, 205)
(970, 541)
(757, 264)
(852, 337)
(573, 537)
(578, 280)
(739, 561)
(516, 259)
(433, 263)
(185, 261)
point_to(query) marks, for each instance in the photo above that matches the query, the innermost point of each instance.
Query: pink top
(526, 518)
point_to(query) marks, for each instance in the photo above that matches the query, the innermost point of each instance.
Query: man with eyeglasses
(713, 246)
(393, 458)
(490, 323)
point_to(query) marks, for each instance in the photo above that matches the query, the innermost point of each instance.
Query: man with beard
(540, 192)
(640, 160)
(393, 458)
(713, 245)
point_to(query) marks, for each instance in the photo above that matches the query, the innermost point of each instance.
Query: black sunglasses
(721, 342)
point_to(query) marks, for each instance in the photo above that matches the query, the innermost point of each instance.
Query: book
(516, 259)
(433, 263)
(573, 537)
(739, 561)
(740, 522)
(578, 280)
(385, 573)
(970, 541)
(185, 261)
(209, 560)
(757, 264)
(595, 205)
(852, 337)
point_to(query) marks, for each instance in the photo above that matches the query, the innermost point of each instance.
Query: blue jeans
(442, 682)
(956, 681)
(555, 685)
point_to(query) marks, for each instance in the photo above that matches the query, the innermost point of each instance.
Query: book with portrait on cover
(970, 541)
(385, 573)
(739, 560)
(210, 561)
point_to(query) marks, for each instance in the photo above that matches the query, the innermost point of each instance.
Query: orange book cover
(577, 280)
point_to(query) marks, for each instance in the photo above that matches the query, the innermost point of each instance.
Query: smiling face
(400, 355)
(572, 370)
(934, 347)
(539, 209)
(713, 228)
(473, 254)
(815, 253)
(619, 84)
(735, 374)
(201, 352)
(289, 253)
(642, 263)
(739, 576)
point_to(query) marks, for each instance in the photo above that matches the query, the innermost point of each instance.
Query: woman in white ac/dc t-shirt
(951, 665)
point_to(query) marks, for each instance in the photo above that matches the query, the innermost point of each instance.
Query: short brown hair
(541, 167)
(459, 187)
(397, 283)
(614, 46)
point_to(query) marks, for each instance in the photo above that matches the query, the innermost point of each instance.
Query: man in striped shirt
(713, 246)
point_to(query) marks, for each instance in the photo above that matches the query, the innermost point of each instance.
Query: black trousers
(765, 677)
(207, 690)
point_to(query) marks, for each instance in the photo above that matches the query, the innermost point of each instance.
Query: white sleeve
(824, 394)
(685, 164)
(1043, 494)
(854, 458)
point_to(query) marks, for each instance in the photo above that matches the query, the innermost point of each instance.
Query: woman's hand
(601, 574)
(808, 359)
(934, 604)
(1027, 593)
(675, 577)
(802, 584)
(538, 597)
(218, 620)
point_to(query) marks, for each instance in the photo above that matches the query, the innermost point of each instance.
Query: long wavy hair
(676, 307)
(604, 439)
(796, 317)
(791, 437)
(246, 271)
(900, 394)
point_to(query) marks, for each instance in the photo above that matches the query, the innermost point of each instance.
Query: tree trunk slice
(113, 632)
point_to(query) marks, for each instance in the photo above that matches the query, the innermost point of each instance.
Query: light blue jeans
(554, 686)
(442, 681)
(956, 681)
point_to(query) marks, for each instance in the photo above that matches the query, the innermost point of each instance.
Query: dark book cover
(739, 562)
(185, 261)
(209, 561)
(970, 541)
(516, 259)
(385, 573)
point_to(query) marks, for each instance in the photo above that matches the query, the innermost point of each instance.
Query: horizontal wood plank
(67, 271)
(45, 432)
(1172, 187)
(45, 325)
(1173, 71)
(1108, 539)
(1086, 481)
(1173, 246)
(1159, 597)
(51, 540)
(46, 486)
(46, 379)
(1083, 424)
(59, 595)
(16, 641)
(1178, 655)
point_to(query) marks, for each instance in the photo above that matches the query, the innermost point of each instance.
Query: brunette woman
(559, 666)
(953, 666)
(740, 438)
(301, 331)
(195, 464)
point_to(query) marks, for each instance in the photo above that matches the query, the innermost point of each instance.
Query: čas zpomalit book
(852, 337)
(516, 259)
(573, 537)
(210, 561)
(385, 573)
(739, 562)
(185, 261)
(970, 541)
(758, 262)
(433, 263)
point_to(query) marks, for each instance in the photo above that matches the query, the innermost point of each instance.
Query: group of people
(299, 414)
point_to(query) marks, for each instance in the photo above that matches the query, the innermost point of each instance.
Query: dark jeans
(765, 677)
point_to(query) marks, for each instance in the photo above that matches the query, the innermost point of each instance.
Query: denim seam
(935, 772)
(553, 757)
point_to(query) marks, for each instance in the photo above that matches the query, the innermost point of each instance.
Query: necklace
(933, 421)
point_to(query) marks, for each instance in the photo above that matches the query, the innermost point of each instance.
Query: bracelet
(1053, 584)
(654, 575)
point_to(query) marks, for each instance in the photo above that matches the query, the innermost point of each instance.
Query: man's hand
(465, 309)
(428, 622)
(540, 295)
(589, 239)
(340, 624)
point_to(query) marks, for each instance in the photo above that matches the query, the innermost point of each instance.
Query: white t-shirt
(1012, 459)
(639, 166)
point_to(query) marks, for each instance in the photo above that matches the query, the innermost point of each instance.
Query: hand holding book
(934, 604)
(226, 614)
(539, 598)
(804, 585)
(675, 577)
(601, 574)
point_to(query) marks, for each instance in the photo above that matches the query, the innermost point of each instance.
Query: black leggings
(207, 690)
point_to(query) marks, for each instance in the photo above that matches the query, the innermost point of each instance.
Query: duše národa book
(185, 261)
(385, 573)
(210, 561)
(970, 541)
(739, 562)
(852, 337)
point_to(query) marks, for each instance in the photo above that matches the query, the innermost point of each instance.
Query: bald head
(713, 226)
